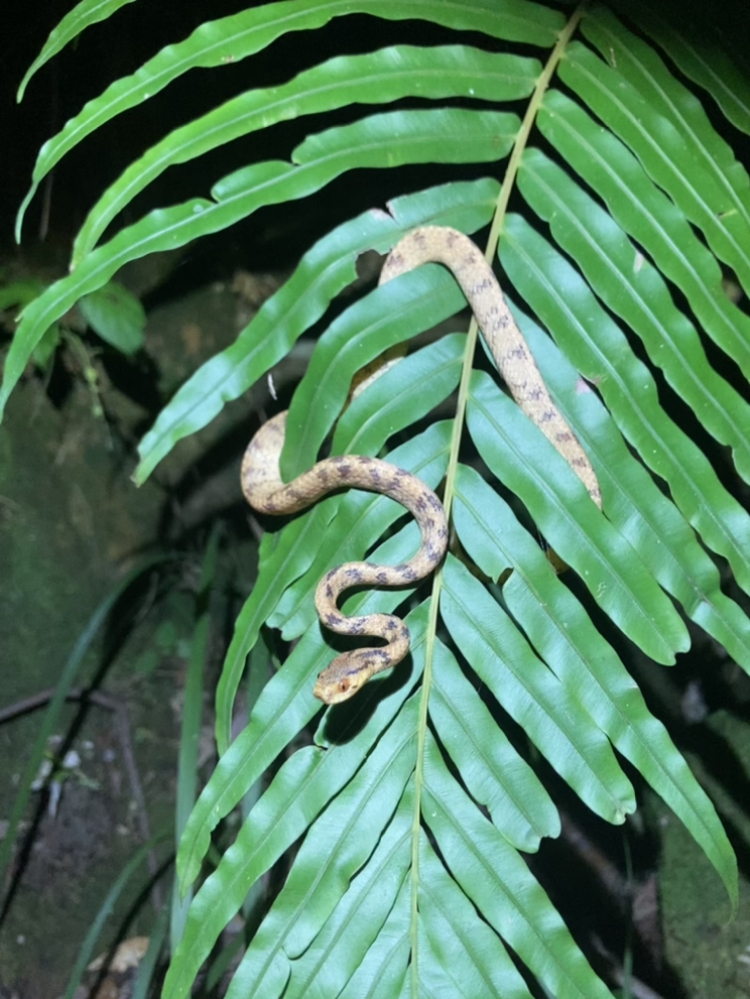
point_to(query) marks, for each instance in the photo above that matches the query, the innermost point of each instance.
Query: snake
(266, 492)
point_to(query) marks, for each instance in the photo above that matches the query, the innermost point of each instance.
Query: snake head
(347, 674)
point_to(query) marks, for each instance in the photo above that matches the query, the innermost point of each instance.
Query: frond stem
(450, 479)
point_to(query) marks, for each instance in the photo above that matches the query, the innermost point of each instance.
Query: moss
(710, 954)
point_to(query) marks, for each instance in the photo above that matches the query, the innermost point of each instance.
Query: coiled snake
(264, 490)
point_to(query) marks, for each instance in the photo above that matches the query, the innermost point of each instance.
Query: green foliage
(111, 311)
(116, 315)
(17, 294)
(627, 205)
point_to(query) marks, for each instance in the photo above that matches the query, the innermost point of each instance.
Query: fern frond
(627, 204)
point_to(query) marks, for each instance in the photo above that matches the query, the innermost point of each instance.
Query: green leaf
(490, 767)
(20, 293)
(638, 63)
(497, 880)
(300, 790)
(559, 504)
(343, 837)
(385, 141)
(351, 342)
(44, 351)
(227, 41)
(601, 353)
(531, 694)
(284, 706)
(388, 404)
(279, 566)
(645, 212)
(700, 58)
(380, 77)
(382, 971)
(640, 511)
(325, 270)
(666, 154)
(334, 956)
(462, 952)
(116, 315)
(564, 636)
(84, 14)
(632, 288)
(190, 729)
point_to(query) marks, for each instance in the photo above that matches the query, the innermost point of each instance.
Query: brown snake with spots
(264, 490)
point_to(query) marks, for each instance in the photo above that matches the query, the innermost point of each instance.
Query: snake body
(265, 491)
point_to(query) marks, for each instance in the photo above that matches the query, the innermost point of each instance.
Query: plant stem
(450, 479)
